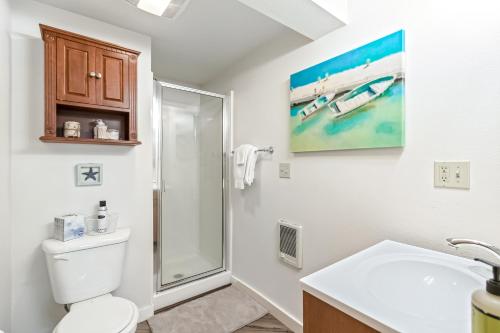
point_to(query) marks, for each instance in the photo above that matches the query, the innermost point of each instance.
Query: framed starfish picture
(89, 174)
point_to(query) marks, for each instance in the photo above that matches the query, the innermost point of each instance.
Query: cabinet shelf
(51, 139)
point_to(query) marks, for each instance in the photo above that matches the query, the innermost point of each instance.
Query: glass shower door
(192, 198)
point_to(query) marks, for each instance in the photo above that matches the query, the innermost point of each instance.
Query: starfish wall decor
(88, 174)
(91, 174)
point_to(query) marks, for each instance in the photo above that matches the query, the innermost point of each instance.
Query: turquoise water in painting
(379, 123)
(376, 50)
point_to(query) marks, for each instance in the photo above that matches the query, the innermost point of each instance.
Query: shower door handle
(163, 186)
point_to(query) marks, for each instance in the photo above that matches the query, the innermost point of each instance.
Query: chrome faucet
(455, 242)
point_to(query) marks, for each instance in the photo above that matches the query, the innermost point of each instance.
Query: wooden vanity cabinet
(87, 79)
(322, 317)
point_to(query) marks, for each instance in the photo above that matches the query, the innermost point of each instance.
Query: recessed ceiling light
(166, 8)
(156, 7)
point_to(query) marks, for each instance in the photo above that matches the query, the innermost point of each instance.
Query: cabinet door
(112, 81)
(75, 68)
(322, 317)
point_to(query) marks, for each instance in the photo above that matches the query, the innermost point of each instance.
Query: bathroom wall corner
(43, 174)
(5, 221)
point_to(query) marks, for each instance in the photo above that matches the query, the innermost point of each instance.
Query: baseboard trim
(146, 312)
(286, 318)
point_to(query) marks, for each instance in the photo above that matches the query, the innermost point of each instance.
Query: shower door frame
(158, 137)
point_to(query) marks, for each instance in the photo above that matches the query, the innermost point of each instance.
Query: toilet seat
(103, 314)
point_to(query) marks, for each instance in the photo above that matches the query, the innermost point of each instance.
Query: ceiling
(205, 39)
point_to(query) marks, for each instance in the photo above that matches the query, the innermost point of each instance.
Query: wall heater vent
(290, 240)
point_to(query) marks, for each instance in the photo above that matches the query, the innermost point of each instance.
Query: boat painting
(360, 96)
(352, 101)
(316, 105)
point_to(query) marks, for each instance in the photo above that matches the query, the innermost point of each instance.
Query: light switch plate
(452, 174)
(284, 170)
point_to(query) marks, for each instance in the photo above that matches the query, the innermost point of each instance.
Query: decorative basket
(92, 221)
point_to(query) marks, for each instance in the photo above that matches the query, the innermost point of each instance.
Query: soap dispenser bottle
(486, 304)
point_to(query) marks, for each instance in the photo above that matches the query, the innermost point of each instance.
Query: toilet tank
(86, 267)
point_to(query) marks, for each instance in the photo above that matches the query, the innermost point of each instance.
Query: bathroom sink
(394, 287)
(432, 284)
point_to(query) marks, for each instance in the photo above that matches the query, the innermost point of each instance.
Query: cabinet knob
(92, 74)
(98, 75)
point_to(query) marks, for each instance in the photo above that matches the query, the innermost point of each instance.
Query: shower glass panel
(191, 174)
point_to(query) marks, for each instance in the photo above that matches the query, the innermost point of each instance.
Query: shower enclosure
(191, 129)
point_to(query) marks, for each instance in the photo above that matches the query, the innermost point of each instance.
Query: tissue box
(69, 227)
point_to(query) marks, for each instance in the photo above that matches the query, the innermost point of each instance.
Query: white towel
(250, 167)
(244, 165)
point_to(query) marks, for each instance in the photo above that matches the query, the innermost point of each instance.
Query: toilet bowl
(83, 272)
(104, 314)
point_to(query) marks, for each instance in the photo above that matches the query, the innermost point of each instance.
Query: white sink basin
(394, 287)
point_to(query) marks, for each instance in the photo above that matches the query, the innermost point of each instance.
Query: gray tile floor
(266, 324)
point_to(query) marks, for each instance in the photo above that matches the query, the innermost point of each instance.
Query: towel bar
(269, 150)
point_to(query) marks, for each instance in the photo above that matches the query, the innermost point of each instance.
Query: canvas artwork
(352, 101)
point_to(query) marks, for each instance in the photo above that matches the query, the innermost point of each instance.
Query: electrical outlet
(452, 174)
(284, 170)
(444, 173)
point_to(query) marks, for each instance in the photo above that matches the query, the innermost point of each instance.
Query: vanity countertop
(394, 287)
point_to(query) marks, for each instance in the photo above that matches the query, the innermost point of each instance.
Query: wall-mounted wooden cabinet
(85, 80)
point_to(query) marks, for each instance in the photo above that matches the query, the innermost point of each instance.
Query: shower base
(186, 267)
(183, 292)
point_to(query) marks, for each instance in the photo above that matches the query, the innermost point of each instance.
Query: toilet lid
(105, 314)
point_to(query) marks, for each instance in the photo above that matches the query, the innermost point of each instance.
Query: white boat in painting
(311, 108)
(360, 95)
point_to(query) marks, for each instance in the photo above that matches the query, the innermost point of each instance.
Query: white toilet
(83, 272)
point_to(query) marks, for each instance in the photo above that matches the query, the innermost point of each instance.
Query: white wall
(349, 200)
(5, 224)
(43, 174)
